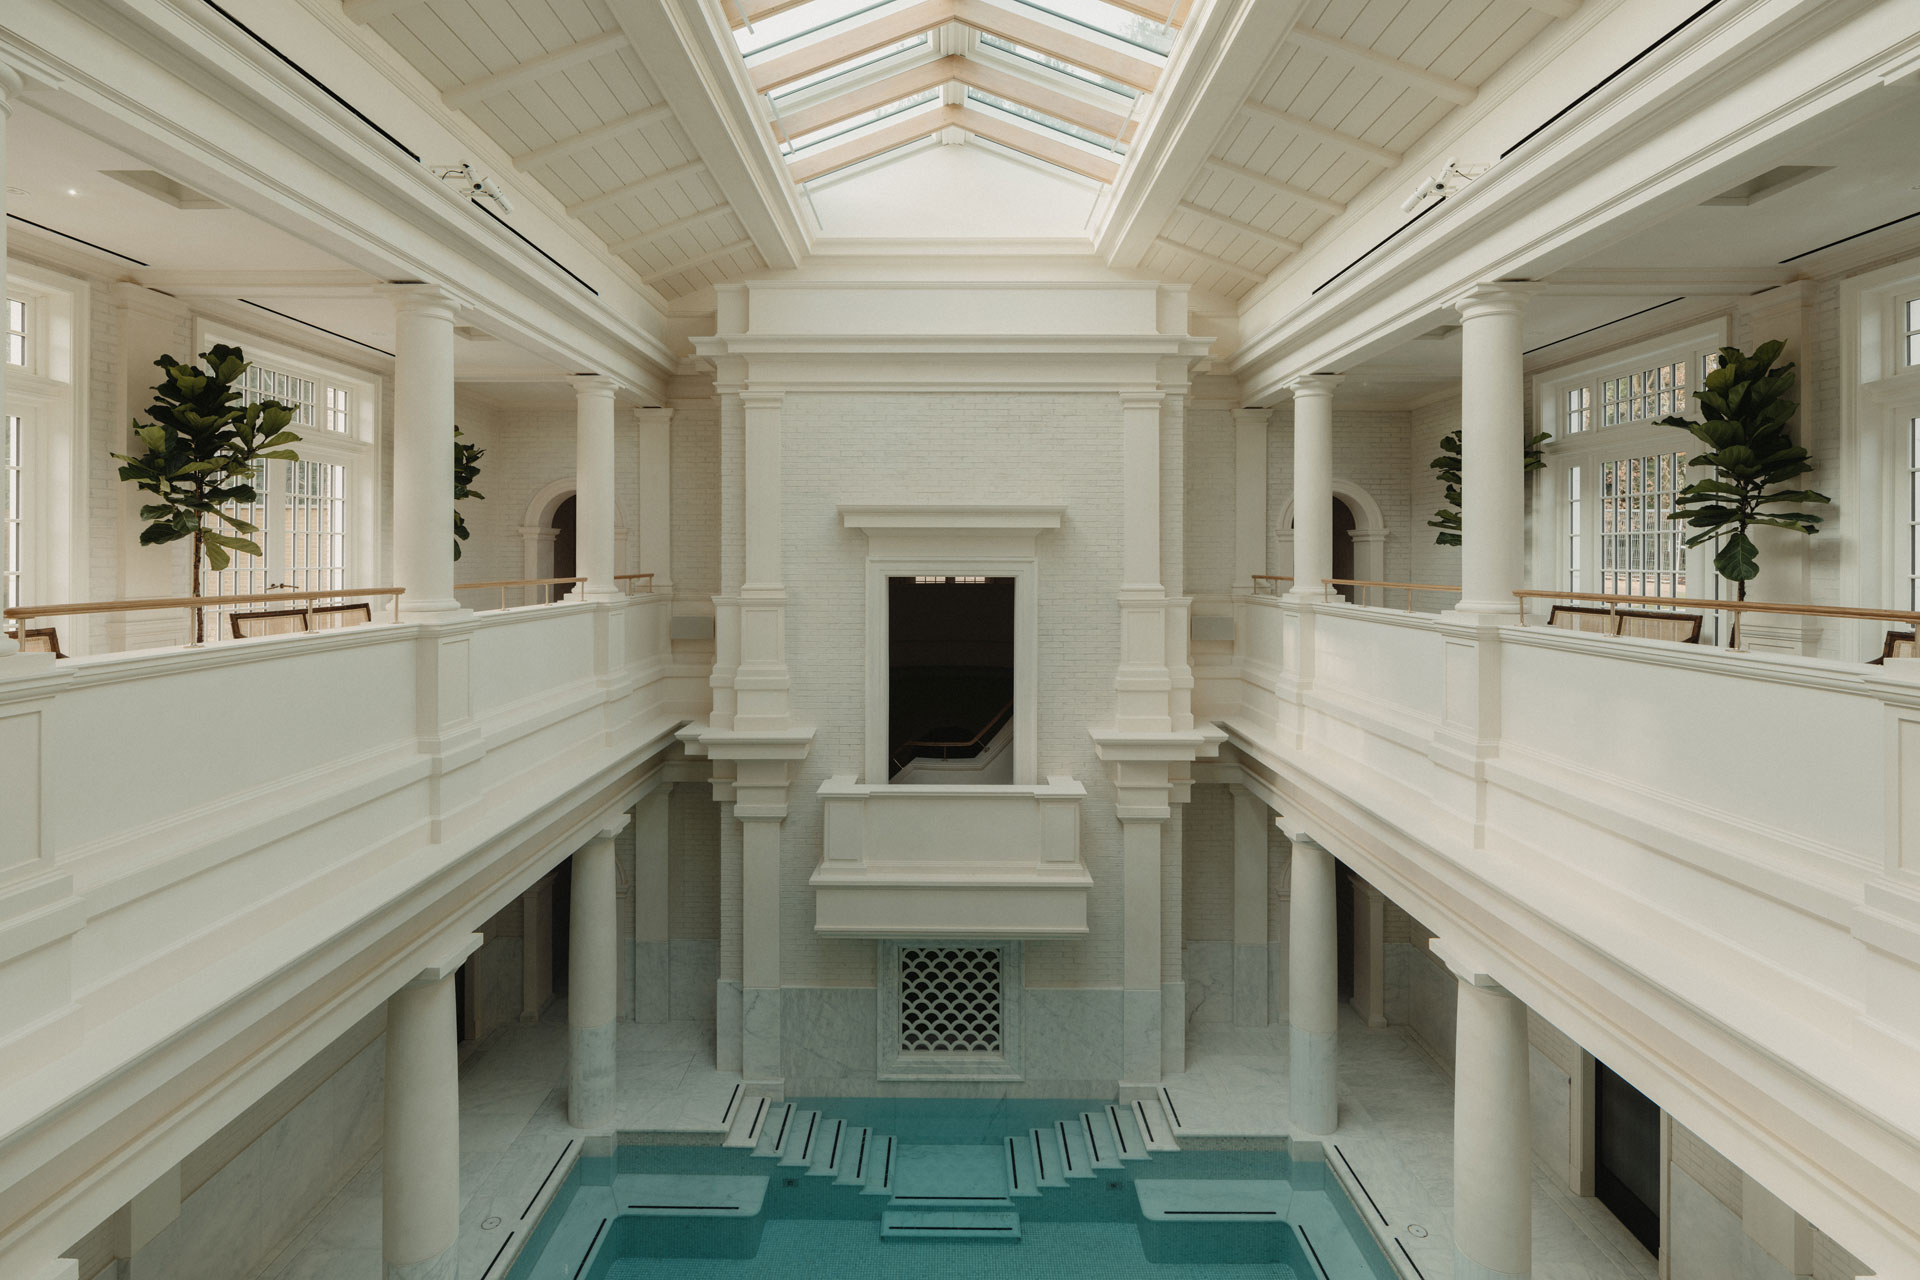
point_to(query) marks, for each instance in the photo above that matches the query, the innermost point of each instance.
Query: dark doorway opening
(1343, 929)
(564, 542)
(950, 676)
(461, 1021)
(1343, 526)
(1626, 1155)
(562, 924)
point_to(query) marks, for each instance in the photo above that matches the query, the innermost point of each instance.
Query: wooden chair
(1898, 644)
(1574, 617)
(267, 622)
(331, 617)
(39, 640)
(1684, 628)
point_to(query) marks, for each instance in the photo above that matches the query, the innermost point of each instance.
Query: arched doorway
(564, 539)
(1343, 526)
(1359, 539)
(548, 537)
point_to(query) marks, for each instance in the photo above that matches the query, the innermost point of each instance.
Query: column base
(590, 1077)
(444, 1265)
(1313, 1103)
(1173, 1027)
(760, 1056)
(1465, 1268)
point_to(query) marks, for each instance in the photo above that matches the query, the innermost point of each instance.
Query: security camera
(474, 186)
(1453, 176)
(492, 191)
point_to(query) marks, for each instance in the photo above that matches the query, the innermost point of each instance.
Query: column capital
(452, 955)
(1253, 416)
(613, 826)
(1142, 400)
(1496, 297)
(751, 400)
(653, 415)
(1313, 384)
(11, 83)
(594, 386)
(1295, 830)
(421, 297)
(1468, 963)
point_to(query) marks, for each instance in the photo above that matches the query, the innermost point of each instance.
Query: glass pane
(1110, 20)
(1045, 120)
(1065, 68)
(848, 67)
(845, 127)
(795, 25)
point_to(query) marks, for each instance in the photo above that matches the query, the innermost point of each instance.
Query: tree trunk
(193, 578)
(1736, 617)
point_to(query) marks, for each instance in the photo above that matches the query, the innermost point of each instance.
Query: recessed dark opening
(1343, 526)
(950, 677)
(1626, 1155)
(564, 528)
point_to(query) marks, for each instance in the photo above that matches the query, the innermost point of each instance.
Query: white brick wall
(696, 489)
(1208, 893)
(1210, 487)
(693, 863)
(1429, 561)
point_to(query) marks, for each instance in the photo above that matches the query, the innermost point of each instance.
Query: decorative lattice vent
(950, 1000)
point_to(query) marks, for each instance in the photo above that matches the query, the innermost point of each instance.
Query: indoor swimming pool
(853, 1188)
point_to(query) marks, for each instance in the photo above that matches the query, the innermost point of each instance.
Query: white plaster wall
(1209, 487)
(1428, 561)
(696, 489)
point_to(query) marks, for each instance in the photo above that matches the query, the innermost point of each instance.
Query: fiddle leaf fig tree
(466, 469)
(1750, 452)
(1447, 468)
(202, 448)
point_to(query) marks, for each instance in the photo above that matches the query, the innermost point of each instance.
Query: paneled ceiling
(842, 86)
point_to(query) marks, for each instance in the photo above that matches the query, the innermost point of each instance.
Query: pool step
(1098, 1131)
(880, 1166)
(805, 1131)
(1023, 1179)
(829, 1148)
(855, 1143)
(749, 1113)
(1052, 1169)
(1154, 1126)
(1075, 1158)
(1126, 1131)
(940, 1224)
(774, 1130)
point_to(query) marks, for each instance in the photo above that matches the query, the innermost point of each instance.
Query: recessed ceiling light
(73, 191)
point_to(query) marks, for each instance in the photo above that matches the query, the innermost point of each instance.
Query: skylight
(1111, 20)
(840, 130)
(1046, 121)
(1057, 64)
(846, 68)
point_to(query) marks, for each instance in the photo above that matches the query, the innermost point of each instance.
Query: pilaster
(654, 429)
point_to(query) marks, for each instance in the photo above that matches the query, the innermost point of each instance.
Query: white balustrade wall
(212, 857)
(1703, 865)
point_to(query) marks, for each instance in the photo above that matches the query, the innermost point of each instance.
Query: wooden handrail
(979, 739)
(632, 577)
(1408, 587)
(1728, 606)
(1259, 578)
(22, 613)
(505, 583)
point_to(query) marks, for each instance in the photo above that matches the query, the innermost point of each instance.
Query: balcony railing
(20, 616)
(1906, 618)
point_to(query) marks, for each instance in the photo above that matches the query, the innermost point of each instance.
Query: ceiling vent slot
(163, 188)
(1770, 183)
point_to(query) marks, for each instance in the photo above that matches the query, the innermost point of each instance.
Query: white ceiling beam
(1383, 65)
(688, 264)
(593, 137)
(606, 199)
(1285, 190)
(1209, 258)
(1234, 224)
(474, 92)
(908, 127)
(646, 238)
(365, 11)
(1321, 133)
(1218, 62)
(1033, 141)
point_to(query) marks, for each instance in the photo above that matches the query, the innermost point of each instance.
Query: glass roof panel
(1110, 20)
(1047, 60)
(797, 23)
(1045, 121)
(847, 68)
(835, 132)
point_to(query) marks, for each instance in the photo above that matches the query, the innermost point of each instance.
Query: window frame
(1879, 399)
(50, 397)
(1584, 454)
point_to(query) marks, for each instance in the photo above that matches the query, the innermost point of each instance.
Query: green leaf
(1739, 560)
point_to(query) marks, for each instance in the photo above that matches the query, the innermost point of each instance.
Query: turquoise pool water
(860, 1188)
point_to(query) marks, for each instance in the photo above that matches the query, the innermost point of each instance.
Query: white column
(1250, 996)
(1492, 1135)
(420, 1178)
(652, 932)
(1313, 990)
(1249, 497)
(9, 87)
(593, 981)
(1312, 484)
(594, 472)
(760, 1035)
(1492, 449)
(656, 496)
(423, 450)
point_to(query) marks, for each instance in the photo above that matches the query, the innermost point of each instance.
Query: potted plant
(466, 469)
(202, 450)
(1750, 452)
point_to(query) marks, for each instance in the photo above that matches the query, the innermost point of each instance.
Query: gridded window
(1574, 526)
(1579, 409)
(340, 410)
(1913, 513)
(1641, 397)
(10, 488)
(16, 331)
(1640, 545)
(950, 1000)
(1910, 322)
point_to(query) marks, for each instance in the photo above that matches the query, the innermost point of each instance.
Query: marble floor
(1395, 1142)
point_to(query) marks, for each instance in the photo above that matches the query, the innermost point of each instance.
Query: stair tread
(880, 1159)
(773, 1130)
(828, 1145)
(748, 1114)
(908, 1224)
(798, 1149)
(1051, 1168)
(1074, 1155)
(853, 1155)
(1126, 1130)
(1152, 1118)
(1022, 1178)
(1098, 1131)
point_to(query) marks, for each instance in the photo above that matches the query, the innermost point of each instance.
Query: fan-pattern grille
(950, 1000)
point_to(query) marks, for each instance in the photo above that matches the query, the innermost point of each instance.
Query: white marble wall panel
(652, 970)
(1551, 1092)
(1706, 1241)
(496, 983)
(1399, 967)
(1277, 974)
(695, 967)
(244, 1213)
(1072, 1033)
(829, 1040)
(1208, 967)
